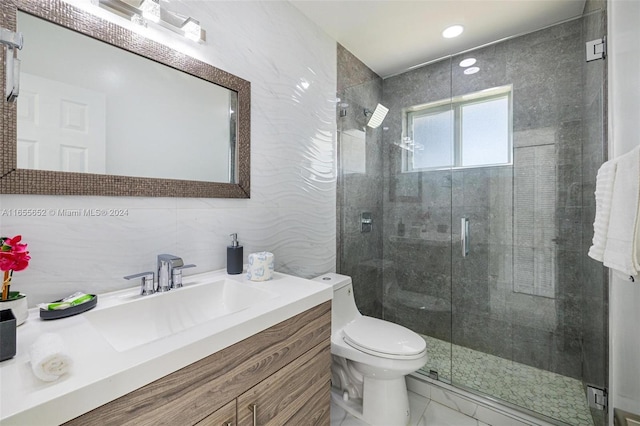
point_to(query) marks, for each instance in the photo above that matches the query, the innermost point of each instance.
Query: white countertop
(101, 374)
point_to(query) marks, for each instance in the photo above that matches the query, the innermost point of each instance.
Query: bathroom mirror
(105, 111)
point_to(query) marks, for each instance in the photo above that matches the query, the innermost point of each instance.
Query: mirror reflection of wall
(88, 106)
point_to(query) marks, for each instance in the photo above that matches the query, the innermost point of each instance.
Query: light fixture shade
(378, 115)
(192, 29)
(151, 10)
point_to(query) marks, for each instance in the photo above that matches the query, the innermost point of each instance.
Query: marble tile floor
(559, 397)
(423, 412)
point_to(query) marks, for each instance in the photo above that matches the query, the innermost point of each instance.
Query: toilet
(371, 358)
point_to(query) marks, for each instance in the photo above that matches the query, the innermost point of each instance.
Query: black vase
(7, 335)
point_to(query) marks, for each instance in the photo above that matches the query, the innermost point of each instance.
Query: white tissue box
(260, 266)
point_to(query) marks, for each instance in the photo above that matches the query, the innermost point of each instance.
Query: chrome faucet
(170, 272)
(169, 275)
(146, 282)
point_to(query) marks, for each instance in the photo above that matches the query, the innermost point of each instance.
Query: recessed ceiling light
(467, 62)
(453, 31)
(471, 70)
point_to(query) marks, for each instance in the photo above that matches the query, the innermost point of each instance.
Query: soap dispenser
(234, 256)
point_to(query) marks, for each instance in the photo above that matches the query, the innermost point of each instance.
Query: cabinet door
(225, 416)
(300, 387)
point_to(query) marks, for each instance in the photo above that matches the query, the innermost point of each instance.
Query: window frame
(455, 104)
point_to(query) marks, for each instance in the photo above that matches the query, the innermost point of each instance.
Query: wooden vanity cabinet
(282, 374)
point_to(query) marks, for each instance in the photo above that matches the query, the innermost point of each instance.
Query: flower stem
(5, 285)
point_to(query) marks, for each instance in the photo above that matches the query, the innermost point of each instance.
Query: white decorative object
(260, 266)
(49, 358)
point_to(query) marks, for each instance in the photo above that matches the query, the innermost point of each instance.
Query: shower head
(376, 116)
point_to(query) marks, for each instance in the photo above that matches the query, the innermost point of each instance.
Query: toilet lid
(383, 337)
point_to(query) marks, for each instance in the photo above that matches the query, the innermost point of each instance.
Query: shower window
(472, 130)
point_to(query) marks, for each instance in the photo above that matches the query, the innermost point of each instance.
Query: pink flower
(13, 255)
(10, 242)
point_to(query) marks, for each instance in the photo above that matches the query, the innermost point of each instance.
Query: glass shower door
(520, 328)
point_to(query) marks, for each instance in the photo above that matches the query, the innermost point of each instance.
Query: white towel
(49, 358)
(604, 193)
(621, 248)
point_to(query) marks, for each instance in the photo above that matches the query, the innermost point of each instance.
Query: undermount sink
(144, 319)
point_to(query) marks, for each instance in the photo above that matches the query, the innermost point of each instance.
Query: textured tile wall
(292, 210)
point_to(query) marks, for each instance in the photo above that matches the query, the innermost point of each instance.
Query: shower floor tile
(544, 392)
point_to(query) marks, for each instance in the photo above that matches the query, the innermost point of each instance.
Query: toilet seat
(383, 339)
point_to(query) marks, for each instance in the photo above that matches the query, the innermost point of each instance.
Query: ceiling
(391, 36)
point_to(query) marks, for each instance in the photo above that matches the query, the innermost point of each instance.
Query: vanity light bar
(152, 11)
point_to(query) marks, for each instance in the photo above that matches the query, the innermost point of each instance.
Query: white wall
(292, 210)
(624, 135)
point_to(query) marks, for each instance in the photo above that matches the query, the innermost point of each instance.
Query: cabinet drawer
(289, 391)
(225, 416)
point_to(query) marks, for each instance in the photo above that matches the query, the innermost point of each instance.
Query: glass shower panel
(359, 182)
(594, 286)
(417, 209)
(518, 331)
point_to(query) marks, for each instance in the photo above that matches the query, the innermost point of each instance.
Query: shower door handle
(464, 236)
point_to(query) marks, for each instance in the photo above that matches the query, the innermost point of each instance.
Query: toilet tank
(343, 307)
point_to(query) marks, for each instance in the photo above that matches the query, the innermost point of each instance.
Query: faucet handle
(174, 261)
(146, 282)
(176, 279)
